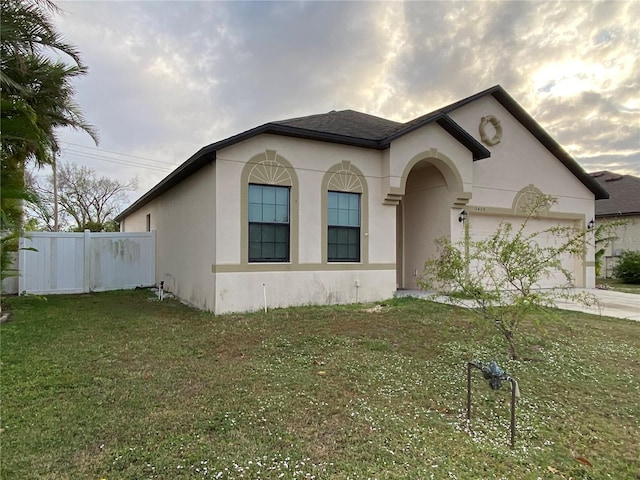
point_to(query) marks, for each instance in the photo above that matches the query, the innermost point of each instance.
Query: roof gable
(535, 129)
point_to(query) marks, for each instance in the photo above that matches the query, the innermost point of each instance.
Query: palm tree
(30, 116)
(27, 29)
(36, 99)
(37, 95)
(13, 194)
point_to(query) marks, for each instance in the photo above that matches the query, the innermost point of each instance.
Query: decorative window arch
(272, 213)
(525, 198)
(345, 180)
(270, 172)
(345, 214)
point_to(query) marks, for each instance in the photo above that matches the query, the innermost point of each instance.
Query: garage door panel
(483, 226)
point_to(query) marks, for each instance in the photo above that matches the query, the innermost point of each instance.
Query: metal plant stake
(495, 376)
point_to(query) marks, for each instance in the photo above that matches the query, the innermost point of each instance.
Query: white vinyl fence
(85, 262)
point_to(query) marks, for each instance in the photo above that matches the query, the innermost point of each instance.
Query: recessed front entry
(423, 216)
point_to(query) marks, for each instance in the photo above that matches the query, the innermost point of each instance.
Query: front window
(268, 223)
(343, 220)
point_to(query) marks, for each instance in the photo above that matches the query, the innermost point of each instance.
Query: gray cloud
(167, 78)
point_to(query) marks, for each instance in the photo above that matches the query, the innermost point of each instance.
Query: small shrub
(628, 269)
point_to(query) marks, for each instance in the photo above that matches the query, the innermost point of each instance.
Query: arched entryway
(432, 191)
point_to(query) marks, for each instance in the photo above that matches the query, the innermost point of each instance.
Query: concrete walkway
(610, 303)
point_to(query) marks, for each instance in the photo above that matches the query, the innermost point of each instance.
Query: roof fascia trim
(456, 131)
(208, 154)
(289, 131)
(204, 156)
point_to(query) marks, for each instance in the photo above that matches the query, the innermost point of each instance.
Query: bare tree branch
(85, 200)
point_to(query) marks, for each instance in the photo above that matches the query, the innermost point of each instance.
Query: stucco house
(343, 206)
(623, 204)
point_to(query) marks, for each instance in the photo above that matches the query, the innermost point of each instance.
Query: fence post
(86, 279)
(20, 265)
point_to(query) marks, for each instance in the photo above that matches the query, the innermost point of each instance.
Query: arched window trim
(269, 168)
(346, 177)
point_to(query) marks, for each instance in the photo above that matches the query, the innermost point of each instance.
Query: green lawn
(120, 386)
(618, 285)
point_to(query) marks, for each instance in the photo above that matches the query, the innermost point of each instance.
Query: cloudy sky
(167, 78)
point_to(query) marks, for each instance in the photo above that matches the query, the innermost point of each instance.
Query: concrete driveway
(610, 303)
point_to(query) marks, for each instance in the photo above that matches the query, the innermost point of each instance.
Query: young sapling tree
(499, 276)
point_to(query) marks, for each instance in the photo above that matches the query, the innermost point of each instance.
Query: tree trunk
(513, 350)
(507, 333)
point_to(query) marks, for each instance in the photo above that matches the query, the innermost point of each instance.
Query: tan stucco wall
(307, 278)
(201, 262)
(201, 256)
(311, 161)
(429, 142)
(184, 220)
(246, 291)
(518, 161)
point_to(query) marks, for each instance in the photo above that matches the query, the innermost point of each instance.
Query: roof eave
(296, 132)
(193, 164)
(451, 127)
(208, 154)
(460, 134)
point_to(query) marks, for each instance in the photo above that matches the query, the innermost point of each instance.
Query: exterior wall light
(463, 216)
(591, 225)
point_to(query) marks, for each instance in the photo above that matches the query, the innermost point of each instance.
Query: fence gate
(55, 262)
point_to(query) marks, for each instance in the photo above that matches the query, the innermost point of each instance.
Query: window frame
(270, 227)
(340, 223)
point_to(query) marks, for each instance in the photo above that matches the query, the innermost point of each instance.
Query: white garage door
(481, 226)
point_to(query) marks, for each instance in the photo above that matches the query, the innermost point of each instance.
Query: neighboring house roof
(349, 127)
(624, 194)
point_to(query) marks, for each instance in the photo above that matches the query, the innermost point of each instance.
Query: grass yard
(120, 386)
(619, 286)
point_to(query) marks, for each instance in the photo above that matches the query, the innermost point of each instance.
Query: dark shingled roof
(345, 122)
(624, 194)
(349, 127)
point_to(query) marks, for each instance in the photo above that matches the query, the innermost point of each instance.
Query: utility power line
(120, 154)
(92, 156)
